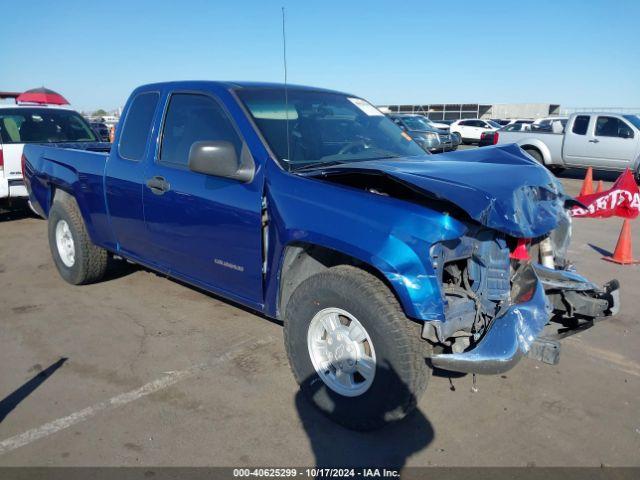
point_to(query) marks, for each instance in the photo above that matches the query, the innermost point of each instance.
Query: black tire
(401, 372)
(90, 263)
(458, 136)
(537, 156)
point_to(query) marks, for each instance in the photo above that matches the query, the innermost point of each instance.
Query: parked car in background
(488, 138)
(518, 121)
(26, 124)
(102, 130)
(431, 139)
(500, 121)
(381, 261)
(491, 138)
(516, 127)
(607, 141)
(470, 130)
(547, 124)
(439, 124)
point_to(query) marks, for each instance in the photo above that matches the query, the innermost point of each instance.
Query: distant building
(455, 111)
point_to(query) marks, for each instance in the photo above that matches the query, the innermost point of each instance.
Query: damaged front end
(500, 307)
(507, 276)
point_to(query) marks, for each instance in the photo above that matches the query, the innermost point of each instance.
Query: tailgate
(12, 154)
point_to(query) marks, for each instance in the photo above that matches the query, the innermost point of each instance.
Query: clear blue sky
(577, 53)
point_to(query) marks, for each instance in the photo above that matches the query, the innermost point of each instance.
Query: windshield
(634, 119)
(418, 123)
(43, 125)
(319, 127)
(494, 124)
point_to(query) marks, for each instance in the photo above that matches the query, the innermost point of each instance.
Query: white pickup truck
(606, 141)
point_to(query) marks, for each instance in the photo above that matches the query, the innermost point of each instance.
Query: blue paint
(207, 230)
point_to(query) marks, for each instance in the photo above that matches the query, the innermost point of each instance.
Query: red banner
(621, 200)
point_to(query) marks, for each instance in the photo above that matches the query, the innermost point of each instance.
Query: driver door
(208, 227)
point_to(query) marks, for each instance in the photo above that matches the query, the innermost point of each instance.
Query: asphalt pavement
(142, 370)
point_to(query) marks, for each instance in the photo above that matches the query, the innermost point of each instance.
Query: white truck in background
(42, 124)
(607, 141)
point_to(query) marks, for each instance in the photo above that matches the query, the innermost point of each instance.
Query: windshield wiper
(332, 163)
(314, 165)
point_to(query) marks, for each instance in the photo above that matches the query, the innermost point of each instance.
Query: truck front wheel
(77, 259)
(353, 352)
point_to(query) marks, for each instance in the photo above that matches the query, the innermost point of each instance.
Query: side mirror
(219, 158)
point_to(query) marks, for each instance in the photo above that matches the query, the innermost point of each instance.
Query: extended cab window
(137, 126)
(192, 118)
(580, 125)
(612, 127)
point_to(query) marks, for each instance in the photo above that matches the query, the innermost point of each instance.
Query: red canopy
(42, 95)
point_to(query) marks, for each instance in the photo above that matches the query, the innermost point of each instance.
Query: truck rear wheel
(77, 259)
(353, 352)
(537, 156)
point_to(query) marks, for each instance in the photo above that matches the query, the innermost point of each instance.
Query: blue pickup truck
(312, 207)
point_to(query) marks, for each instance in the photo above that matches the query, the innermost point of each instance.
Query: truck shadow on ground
(387, 447)
(18, 211)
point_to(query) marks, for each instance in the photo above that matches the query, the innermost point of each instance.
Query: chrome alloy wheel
(64, 242)
(341, 351)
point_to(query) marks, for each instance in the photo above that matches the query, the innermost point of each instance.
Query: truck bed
(548, 143)
(78, 172)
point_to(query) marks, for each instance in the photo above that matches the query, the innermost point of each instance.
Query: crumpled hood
(499, 187)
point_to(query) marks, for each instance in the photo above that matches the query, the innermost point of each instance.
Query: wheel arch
(301, 260)
(539, 147)
(66, 194)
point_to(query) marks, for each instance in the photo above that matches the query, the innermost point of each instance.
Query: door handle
(595, 140)
(158, 185)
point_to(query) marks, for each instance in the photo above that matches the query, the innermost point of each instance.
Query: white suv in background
(469, 130)
(20, 124)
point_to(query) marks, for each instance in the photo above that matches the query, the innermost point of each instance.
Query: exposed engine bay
(477, 275)
(482, 276)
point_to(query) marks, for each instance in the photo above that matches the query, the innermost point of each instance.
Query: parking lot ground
(142, 370)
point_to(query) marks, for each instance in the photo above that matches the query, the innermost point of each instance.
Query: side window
(580, 125)
(137, 126)
(464, 123)
(612, 127)
(191, 118)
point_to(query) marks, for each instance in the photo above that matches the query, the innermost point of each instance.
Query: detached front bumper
(536, 293)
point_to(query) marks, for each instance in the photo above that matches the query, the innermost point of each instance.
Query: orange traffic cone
(600, 188)
(623, 253)
(587, 185)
